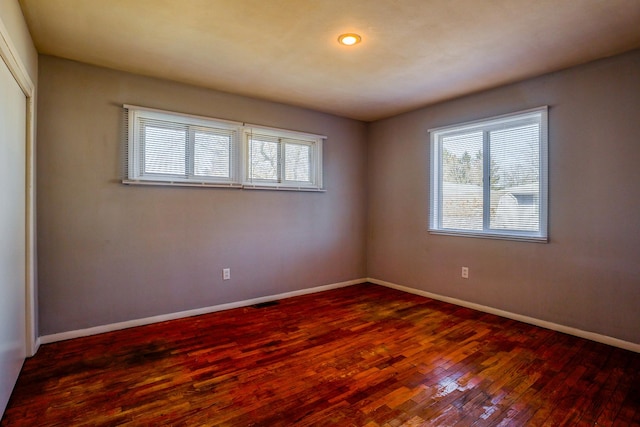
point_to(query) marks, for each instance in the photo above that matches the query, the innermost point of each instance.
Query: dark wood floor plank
(358, 356)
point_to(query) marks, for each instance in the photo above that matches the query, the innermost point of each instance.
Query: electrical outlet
(465, 272)
(226, 273)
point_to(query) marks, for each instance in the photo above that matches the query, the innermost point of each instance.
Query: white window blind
(212, 153)
(489, 177)
(177, 149)
(164, 147)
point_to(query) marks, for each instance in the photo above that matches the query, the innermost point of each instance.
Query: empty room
(320, 213)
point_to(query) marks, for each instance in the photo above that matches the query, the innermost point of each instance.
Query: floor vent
(266, 304)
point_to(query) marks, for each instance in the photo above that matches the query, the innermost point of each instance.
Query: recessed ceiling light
(349, 39)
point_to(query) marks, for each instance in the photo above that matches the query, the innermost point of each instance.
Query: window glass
(298, 162)
(462, 181)
(264, 159)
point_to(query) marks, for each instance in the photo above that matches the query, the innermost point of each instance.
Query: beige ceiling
(413, 52)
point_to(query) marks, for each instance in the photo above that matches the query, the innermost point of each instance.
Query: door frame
(9, 55)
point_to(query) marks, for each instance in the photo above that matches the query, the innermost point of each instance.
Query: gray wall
(110, 252)
(588, 276)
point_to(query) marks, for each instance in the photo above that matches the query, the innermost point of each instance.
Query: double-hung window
(489, 177)
(280, 159)
(177, 149)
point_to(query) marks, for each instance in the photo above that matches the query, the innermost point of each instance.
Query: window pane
(462, 203)
(297, 159)
(264, 159)
(515, 178)
(164, 150)
(212, 155)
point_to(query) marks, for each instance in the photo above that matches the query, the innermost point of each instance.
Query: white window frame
(283, 137)
(486, 125)
(135, 172)
(239, 167)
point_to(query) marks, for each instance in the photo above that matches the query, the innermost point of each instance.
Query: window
(489, 177)
(282, 159)
(178, 149)
(173, 148)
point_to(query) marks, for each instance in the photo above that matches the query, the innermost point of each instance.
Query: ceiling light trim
(349, 39)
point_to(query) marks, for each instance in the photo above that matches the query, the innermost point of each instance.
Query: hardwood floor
(358, 356)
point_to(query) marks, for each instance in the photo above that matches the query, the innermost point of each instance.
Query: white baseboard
(46, 339)
(35, 345)
(604, 339)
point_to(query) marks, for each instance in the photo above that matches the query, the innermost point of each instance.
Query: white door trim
(9, 55)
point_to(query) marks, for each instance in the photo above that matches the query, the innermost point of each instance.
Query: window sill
(282, 188)
(181, 183)
(221, 185)
(479, 235)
